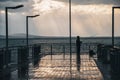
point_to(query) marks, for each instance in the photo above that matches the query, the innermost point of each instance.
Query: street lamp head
(33, 16)
(36, 15)
(116, 6)
(18, 6)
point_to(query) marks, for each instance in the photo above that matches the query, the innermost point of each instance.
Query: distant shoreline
(60, 38)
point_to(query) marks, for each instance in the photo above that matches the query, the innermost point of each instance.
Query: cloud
(16, 24)
(46, 6)
(87, 20)
(83, 25)
(10, 3)
(13, 0)
(2, 24)
(53, 24)
(87, 2)
(17, 17)
(93, 19)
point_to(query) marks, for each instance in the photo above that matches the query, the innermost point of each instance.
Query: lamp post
(6, 16)
(115, 7)
(27, 17)
(70, 34)
(6, 59)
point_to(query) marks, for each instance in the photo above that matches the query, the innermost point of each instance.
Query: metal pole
(113, 26)
(27, 27)
(27, 31)
(70, 33)
(6, 16)
(27, 42)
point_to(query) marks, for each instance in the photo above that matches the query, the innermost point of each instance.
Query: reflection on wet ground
(59, 69)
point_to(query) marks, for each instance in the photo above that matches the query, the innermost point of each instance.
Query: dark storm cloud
(9, 3)
(86, 2)
(13, 0)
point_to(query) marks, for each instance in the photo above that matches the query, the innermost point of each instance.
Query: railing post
(7, 57)
(99, 51)
(64, 52)
(115, 64)
(85, 46)
(51, 51)
(36, 49)
(40, 48)
(89, 47)
(23, 62)
(106, 54)
(6, 61)
(1, 63)
(89, 50)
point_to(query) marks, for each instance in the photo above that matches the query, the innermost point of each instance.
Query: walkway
(59, 69)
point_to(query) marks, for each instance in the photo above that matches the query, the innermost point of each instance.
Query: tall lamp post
(6, 52)
(6, 16)
(115, 7)
(70, 34)
(27, 17)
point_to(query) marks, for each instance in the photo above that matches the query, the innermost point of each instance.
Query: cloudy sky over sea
(89, 17)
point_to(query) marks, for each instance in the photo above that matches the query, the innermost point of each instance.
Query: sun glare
(86, 19)
(2, 12)
(47, 6)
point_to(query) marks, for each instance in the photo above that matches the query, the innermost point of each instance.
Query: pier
(52, 62)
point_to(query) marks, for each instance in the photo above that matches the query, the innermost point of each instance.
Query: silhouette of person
(78, 44)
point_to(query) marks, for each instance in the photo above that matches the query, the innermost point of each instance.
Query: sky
(89, 17)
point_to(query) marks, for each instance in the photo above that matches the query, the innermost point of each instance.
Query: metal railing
(111, 56)
(19, 57)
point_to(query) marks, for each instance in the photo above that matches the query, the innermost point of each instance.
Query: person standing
(78, 45)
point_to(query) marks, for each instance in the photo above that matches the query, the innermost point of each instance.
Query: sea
(61, 40)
